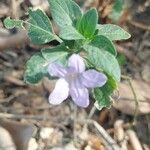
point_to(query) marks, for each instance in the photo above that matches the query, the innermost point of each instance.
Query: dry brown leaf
(4, 10)
(6, 140)
(95, 142)
(49, 84)
(134, 141)
(126, 103)
(119, 131)
(146, 73)
(21, 133)
(40, 4)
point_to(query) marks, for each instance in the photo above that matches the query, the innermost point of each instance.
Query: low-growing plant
(97, 68)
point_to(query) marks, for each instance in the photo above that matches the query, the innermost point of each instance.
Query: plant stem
(74, 124)
(136, 102)
(135, 98)
(58, 39)
(91, 112)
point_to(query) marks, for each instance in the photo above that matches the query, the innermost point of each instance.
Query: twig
(127, 126)
(88, 118)
(112, 144)
(134, 140)
(14, 80)
(139, 25)
(135, 98)
(119, 131)
(44, 107)
(120, 135)
(15, 7)
(18, 116)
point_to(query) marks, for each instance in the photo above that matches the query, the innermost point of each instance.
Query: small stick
(128, 126)
(14, 9)
(139, 24)
(119, 131)
(111, 143)
(119, 134)
(18, 116)
(14, 80)
(92, 111)
(15, 6)
(134, 140)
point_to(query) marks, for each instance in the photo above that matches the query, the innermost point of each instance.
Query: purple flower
(74, 81)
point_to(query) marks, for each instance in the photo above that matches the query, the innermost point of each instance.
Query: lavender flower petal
(76, 62)
(60, 92)
(57, 70)
(79, 93)
(93, 78)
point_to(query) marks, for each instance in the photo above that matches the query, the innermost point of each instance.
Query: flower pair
(74, 81)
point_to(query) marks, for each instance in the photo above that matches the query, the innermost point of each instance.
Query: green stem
(136, 102)
(58, 39)
(135, 98)
(75, 110)
(91, 112)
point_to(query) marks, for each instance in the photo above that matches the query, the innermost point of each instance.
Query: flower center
(71, 76)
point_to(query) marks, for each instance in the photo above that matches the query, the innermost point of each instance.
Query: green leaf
(111, 85)
(103, 42)
(117, 10)
(113, 32)
(103, 95)
(36, 69)
(11, 23)
(88, 22)
(103, 100)
(121, 59)
(103, 60)
(40, 28)
(57, 54)
(70, 33)
(65, 12)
